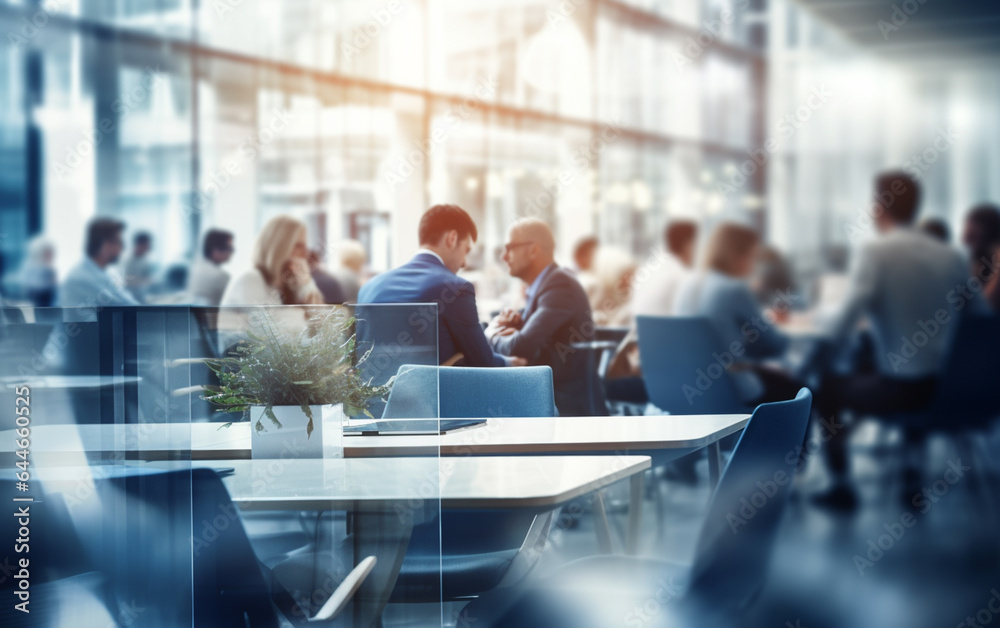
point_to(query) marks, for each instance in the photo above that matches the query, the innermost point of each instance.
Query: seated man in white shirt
(208, 280)
(653, 294)
(137, 268)
(88, 284)
(909, 287)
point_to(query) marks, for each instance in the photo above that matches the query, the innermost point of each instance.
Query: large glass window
(356, 116)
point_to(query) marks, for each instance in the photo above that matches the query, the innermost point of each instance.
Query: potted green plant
(292, 382)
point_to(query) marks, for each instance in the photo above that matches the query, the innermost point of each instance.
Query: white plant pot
(290, 440)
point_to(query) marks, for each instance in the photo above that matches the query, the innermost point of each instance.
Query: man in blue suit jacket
(446, 236)
(556, 315)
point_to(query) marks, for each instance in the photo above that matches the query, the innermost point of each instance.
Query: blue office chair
(597, 355)
(56, 551)
(966, 400)
(679, 369)
(477, 549)
(58, 567)
(12, 315)
(674, 350)
(471, 392)
(731, 556)
(166, 545)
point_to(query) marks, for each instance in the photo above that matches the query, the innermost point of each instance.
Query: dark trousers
(867, 393)
(778, 385)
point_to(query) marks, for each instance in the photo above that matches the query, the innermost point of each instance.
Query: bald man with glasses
(556, 315)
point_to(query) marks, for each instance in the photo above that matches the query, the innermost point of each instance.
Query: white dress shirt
(250, 289)
(207, 283)
(90, 286)
(655, 294)
(430, 252)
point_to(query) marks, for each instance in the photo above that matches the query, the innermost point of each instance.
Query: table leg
(601, 525)
(714, 463)
(634, 513)
(385, 535)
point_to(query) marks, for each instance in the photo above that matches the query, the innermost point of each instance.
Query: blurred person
(89, 284)
(446, 234)
(981, 235)
(556, 315)
(86, 289)
(936, 228)
(614, 269)
(38, 275)
(137, 270)
(173, 284)
(982, 238)
(772, 278)
(654, 296)
(904, 283)
(207, 280)
(583, 266)
(280, 273)
(496, 285)
(352, 258)
(721, 292)
(991, 290)
(279, 276)
(328, 285)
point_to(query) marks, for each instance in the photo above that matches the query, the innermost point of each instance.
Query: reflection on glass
(142, 493)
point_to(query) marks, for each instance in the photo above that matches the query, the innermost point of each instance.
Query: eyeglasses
(507, 248)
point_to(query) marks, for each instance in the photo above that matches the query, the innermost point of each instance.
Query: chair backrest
(596, 355)
(396, 335)
(683, 366)
(967, 392)
(173, 544)
(734, 547)
(467, 392)
(12, 315)
(57, 552)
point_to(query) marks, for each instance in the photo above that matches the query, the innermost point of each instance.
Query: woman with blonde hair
(280, 276)
(280, 273)
(721, 293)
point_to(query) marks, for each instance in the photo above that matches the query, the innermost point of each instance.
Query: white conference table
(388, 496)
(500, 436)
(662, 437)
(539, 483)
(382, 492)
(561, 435)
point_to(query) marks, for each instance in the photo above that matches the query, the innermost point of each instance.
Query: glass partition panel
(101, 366)
(317, 512)
(150, 452)
(94, 398)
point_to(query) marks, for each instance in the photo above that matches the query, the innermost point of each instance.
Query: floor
(942, 569)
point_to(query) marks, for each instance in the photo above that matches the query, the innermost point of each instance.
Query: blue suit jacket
(557, 316)
(424, 279)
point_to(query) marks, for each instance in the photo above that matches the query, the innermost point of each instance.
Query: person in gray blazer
(556, 315)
